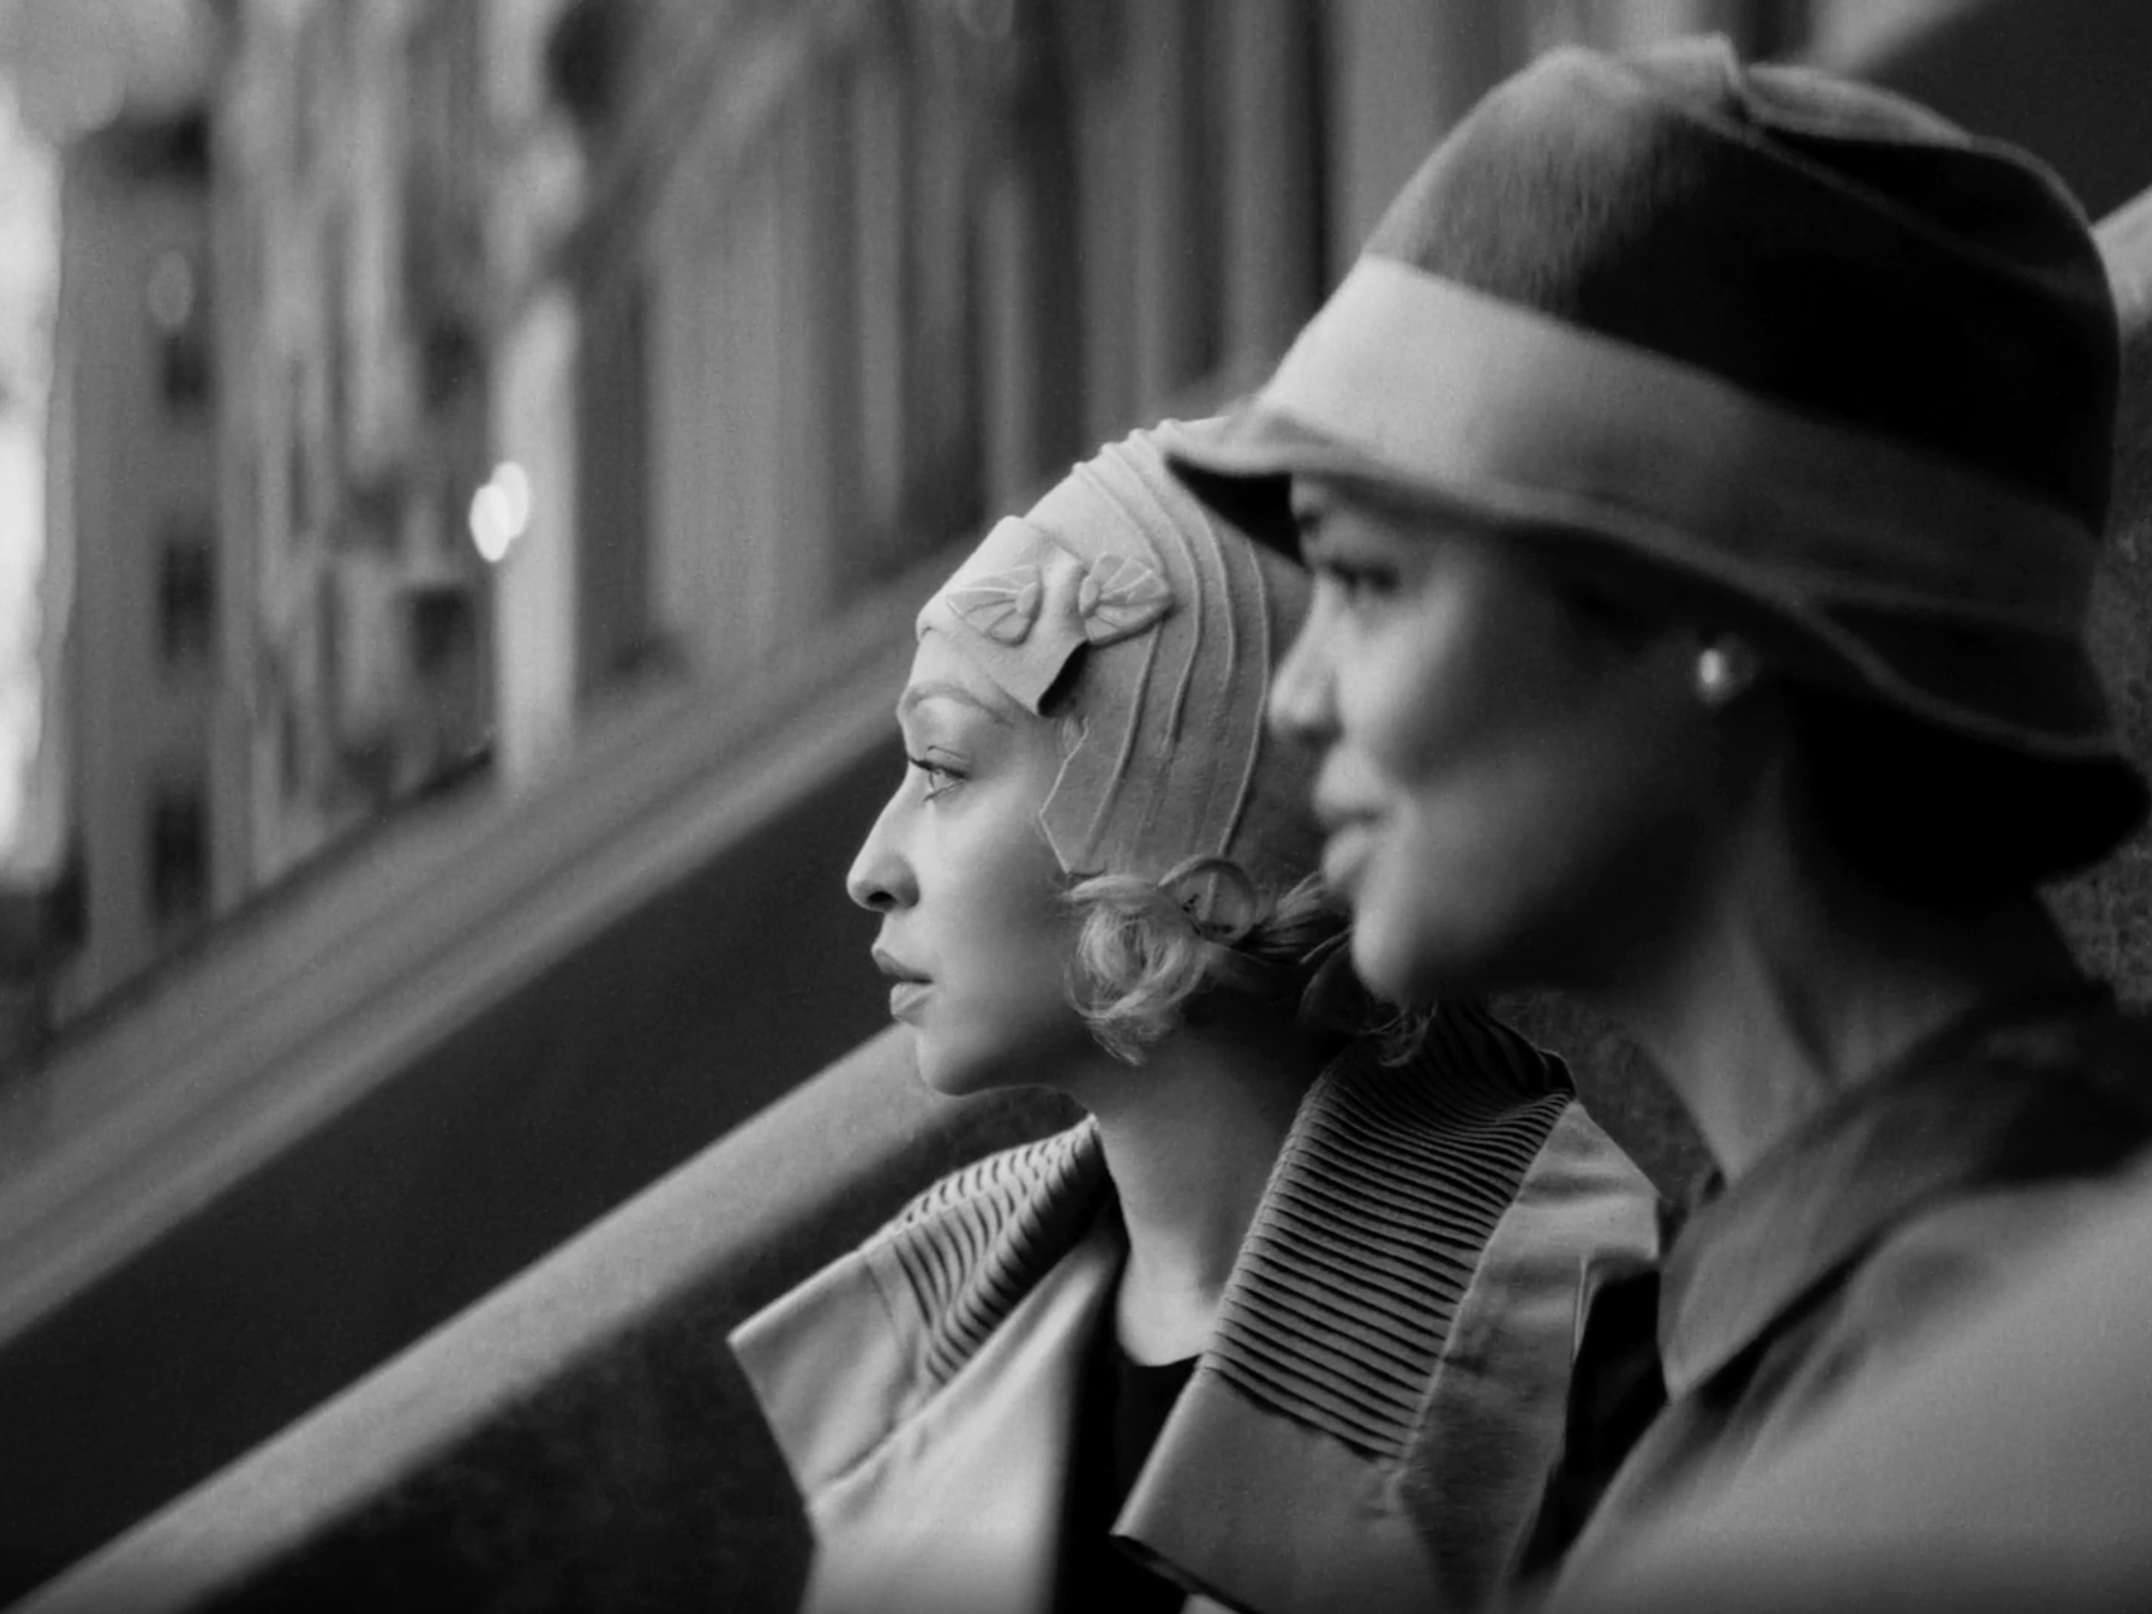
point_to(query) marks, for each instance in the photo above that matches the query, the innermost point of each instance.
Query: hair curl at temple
(1147, 952)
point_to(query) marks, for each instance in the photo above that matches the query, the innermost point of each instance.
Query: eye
(940, 777)
(1359, 582)
(1336, 545)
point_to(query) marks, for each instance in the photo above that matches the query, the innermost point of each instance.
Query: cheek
(1540, 863)
(1524, 775)
(1004, 945)
(1489, 683)
(1416, 692)
(1013, 890)
(1001, 1017)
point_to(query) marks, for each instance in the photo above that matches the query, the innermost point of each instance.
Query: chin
(959, 1072)
(1411, 961)
(1383, 966)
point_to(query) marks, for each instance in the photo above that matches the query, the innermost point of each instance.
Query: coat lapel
(922, 1388)
(959, 1511)
(1284, 1479)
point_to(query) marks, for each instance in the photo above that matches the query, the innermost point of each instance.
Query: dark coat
(1830, 1276)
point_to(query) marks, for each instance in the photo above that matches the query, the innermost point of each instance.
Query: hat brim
(2042, 699)
(1242, 466)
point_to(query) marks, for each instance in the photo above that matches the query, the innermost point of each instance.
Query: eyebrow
(917, 695)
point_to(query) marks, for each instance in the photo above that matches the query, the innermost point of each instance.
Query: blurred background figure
(468, 477)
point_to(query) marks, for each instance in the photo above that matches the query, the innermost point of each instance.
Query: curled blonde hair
(1147, 951)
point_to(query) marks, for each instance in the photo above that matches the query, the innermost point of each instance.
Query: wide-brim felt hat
(1792, 343)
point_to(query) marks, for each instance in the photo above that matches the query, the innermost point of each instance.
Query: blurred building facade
(596, 386)
(31, 916)
(346, 194)
(269, 413)
(564, 351)
(795, 294)
(132, 506)
(798, 293)
(802, 293)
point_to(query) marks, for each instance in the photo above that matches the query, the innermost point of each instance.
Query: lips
(1334, 816)
(1345, 856)
(1350, 831)
(896, 969)
(910, 988)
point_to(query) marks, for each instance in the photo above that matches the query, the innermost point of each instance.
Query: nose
(880, 878)
(1303, 702)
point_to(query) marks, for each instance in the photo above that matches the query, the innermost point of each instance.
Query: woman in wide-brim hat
(1703, 471)
(1292, 1314)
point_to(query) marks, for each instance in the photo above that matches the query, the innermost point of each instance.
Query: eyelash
(948, 776)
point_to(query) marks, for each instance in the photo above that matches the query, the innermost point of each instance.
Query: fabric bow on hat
(1160, 718)
(1033, 615)
(1113, 598)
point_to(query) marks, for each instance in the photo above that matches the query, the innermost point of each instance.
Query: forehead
(1330, 502)
(943, 676)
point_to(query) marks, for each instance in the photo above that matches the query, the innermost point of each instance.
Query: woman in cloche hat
(1703, 471)
(1292, 1313)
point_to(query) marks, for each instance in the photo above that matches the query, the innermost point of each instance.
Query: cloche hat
(1793, 341)
(1122, 604)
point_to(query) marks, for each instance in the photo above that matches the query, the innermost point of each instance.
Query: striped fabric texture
(1373, 1224)
(970, 1247)
(1374, 1220)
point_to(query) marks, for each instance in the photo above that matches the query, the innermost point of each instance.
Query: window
(612, 396)
(444, 630)
(178, 852)
(176, 310)
(183, 373)
(186, 599)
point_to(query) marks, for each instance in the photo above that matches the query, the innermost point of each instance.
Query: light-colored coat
(1368, 1428)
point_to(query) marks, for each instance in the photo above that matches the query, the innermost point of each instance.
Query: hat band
(1530, 418)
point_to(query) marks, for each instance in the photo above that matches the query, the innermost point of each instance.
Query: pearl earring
(1723, 670)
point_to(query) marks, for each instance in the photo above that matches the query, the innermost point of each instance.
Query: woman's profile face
(974, 936)
(1509, 791)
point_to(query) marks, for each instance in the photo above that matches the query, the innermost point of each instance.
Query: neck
(1189, 1137)
(1795, 981)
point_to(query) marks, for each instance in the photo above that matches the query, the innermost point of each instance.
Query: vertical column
(1109, 177)
(534, 591)
(1176, 173)
(1009, 400)
(883, 183)
(1033, 392)
(818, 400)
(943, 379)
(615, 529)
(1401, 72)
(1274, 196)
(747, 523)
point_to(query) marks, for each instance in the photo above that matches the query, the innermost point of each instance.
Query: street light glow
(501, 511)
